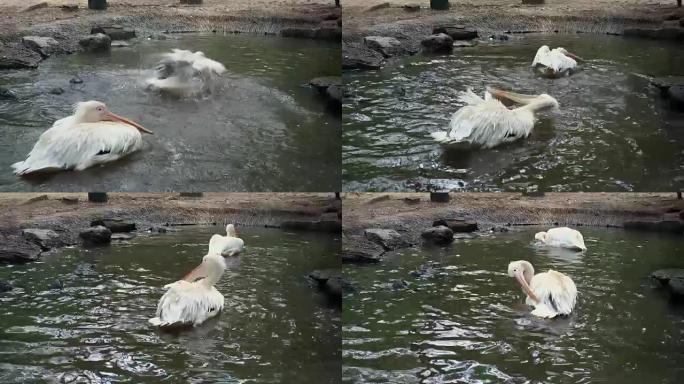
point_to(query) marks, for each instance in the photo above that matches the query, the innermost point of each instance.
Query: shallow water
(613, 131)
(260, 131)
(467, 322)
(274, 326)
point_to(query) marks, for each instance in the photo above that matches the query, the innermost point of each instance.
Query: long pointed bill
(114, 117)
(514, 97)
(573, 56)
(195, 273)
(526, 288)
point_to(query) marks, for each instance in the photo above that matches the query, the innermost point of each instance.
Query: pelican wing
(489, 124)
(187, 303)
(225, 245)
(79, 146)
(542, 57)
(566, 238)
(556, 292)
(559, 62)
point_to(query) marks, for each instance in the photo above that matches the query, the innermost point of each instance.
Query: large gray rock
(439, 43)
(438, 235)
(17, 56)
(676, 95)
(456, 32)
(96, 43)
(45, 46)
(362, 254)
(360, 57)
(672, 279)
(115, 225)
(330, 87)
(457, 225)
(115, 32)
(389, 239)
(96, 235)
(16, 249)
(44, 238)
(331, 282)
(387, 46)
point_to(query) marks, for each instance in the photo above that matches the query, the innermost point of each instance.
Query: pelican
(229, 245)
(190, 302)
(185, 73)
(550, 293)
(563, 237)
(554, 63)
(91, 136)
(488, 122)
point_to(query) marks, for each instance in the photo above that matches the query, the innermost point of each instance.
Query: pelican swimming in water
(185, 73)
(487, 122)
(563, 237)
(229, 245)
(554, 63)
(91, 136)
(190, 302)
(550, 293)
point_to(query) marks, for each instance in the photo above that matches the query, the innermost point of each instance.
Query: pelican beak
(526, 288)
(114, 117)
(518, 98)
(195, 273)
(573, 56)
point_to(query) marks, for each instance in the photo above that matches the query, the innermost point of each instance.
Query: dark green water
(260, 131)
(468, 323)
(273, 329)
(613, 131)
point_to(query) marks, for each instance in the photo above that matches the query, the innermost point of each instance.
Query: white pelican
(563, 237)
(554, 62)
(488, 122)
(184, 73)
(192, 302)
(550, 293)
(229, 245)
(91, 136)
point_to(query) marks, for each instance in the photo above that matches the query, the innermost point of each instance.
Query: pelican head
(541, 236)
(230, 230)
(96, 111)
(523, 272)
(544, 49)
(210, 270)
(569, 54)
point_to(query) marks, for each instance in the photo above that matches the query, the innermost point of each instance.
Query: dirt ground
(584, 15)
(366, 210)
(21, 210)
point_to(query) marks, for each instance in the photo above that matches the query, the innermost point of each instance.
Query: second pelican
(229, 245)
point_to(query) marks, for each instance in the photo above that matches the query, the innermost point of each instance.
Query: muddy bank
(67, 23)
(412, 26)
(34, 224)
(375, 223)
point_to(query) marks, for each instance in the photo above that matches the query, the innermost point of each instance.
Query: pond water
(261, 130)
(466, 322)
(273, 329)
(613, 132)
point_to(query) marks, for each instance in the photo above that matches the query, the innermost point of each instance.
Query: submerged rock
(456, 32)
(389, 239)
(17, 56)
(385, 45)
(57, 284)
(114, 225)
(56, 91)
(76, 80)
(676, 95)
(440, 235)
(457, 225)
(16, 249)
(329, 86)
(429, 270)
(439, 43)
(5, 287)
(44, 238)
(96, 43)
(85, 269)
(360, 57)
(96, 235)
(331, 282)
(7, 94)
(115, 32)
(672, 279)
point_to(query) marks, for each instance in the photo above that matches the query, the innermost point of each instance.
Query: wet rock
(96, 235)
(114, 225)
(456, 225)
(429, 270)
(440, 235)
(362, 254)
(672, 279)
(17, 56)
(499, 228)
(665, 82)
(398, 285)
(76, 80)
(389, 239)
(438, 43)
(676, 95)
(387, 46)
(7, 94)
(499, 37)
(5, 287)
(667, 226)
(299, 32)
(16, 249)
(44, 238)
(157, 230)
(45, 46)
(57, 284)
(122, 236)
(115, 32)
(157, 36)
(56, 91)
(456, 32)
(33, 7)
(360, 57)
(331, 282)
(330, 87)
(96, 43)
(85, 269)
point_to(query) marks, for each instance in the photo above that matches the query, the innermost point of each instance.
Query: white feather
(556, 292)
(562, 237)
(229, 245)
(554, 60)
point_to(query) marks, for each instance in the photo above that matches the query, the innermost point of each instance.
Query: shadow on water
(613, 132)
(260, 130)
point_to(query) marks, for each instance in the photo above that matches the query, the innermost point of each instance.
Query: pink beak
(526, 288)
(109, 116)
(194, 274)
(573, 56)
